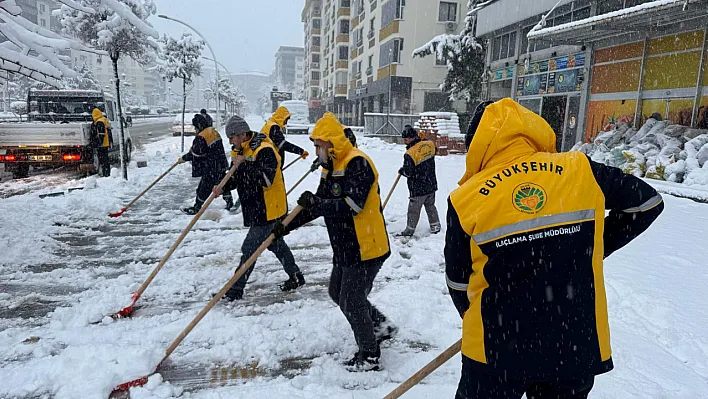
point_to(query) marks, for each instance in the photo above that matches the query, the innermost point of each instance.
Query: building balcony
(383, 73)
(314, 83)
(355, 53)
(343, 12)
(342, 64)
(316, 31)
(389, 30)
(355, 22)
(340, 90)
(314, 49)
(341, 38)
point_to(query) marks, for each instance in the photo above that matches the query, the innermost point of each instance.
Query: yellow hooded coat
(534, 221)
(367, 226)
(104, 138)
(279, 117)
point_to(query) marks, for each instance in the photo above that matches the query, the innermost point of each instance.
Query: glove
(402, 172)
(304, 155)
(315, 164)
(279, 230)
(307, 200)
(180, 160)
(256, 141)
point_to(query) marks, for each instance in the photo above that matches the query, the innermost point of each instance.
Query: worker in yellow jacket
(103, 140)
(349, 200)
(526, 238)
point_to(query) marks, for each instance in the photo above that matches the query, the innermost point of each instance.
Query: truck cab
(58, 132)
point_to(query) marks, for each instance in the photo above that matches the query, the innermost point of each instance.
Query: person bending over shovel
(208, 162)
(348, 199)
(259, 183)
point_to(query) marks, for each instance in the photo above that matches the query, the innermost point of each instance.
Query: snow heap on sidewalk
(440, 123)
(659, 150)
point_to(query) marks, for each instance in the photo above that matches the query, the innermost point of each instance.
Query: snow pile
(440, 123)
(659, 150)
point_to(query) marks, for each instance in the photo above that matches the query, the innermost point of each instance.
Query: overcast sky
(245, 34)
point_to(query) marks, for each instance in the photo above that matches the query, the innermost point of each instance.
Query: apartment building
(383, 37)
(289, 68)
(312, 23)
(335, 57)
(598, 62)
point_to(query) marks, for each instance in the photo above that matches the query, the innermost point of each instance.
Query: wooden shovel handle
(425, 371)
(152, 184)
(239, 272)
(191, 224)
(391, 192)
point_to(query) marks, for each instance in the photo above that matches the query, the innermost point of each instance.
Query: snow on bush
(658, 150)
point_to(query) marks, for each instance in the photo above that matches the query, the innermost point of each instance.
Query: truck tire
(21, 171)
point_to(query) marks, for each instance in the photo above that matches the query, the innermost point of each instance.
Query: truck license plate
(40, 157)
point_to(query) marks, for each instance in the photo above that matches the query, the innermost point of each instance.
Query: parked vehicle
(299, 114)
(188, 127)
(58, 132)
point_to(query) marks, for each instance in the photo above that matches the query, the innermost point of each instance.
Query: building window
(42, 8)
(314, 92)
(344, 3)
(344, 27)
(315, 58)
(317, 23)
(343, 53)
(504, 46)
(439, 62)
(392, 10)
(390, 52)
(43, 23)
(447, 12)
(341, 78)
(316, 41)
(372, 27)
(315, 75)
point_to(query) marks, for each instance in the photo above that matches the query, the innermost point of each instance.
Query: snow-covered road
(65, 265)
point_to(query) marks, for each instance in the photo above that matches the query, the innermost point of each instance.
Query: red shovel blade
(130, 384)
(115, 215)
(126, 311)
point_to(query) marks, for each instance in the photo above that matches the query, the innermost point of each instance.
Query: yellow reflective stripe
(651, 203)
(455, 286)
(353, 205)
(251, 159)
(338, 173)
(532, 224)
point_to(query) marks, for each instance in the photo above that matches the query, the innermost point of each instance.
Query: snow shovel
(125, 208)
(239, 272)
(391, 192)
(136, 295)
(425, 371)
(237, 204)
(313, 168)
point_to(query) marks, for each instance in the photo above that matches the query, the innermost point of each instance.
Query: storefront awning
(653, 16)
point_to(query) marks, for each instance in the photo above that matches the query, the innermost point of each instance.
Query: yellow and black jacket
(349, 200)
(273, 129)
(259, 183)
(419, 168)
(103, 135)
(526, 239)
(207, 155)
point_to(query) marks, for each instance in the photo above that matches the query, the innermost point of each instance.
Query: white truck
(58, 132)
(299, 116)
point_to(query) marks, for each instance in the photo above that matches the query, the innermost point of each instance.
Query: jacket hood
(96, 114)
(278, 118)
(507, 132)
(329, 129)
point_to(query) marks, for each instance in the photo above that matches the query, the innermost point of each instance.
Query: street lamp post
(216, 65)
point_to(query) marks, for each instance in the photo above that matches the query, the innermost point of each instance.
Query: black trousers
(477, 385)
(349, 287)
(205, 187)
(104, 163)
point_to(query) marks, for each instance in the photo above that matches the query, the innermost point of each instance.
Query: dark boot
(233, 294)
(295, 281)
(385, 331)
(364, 361)
(191, 210)
(229, 202)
